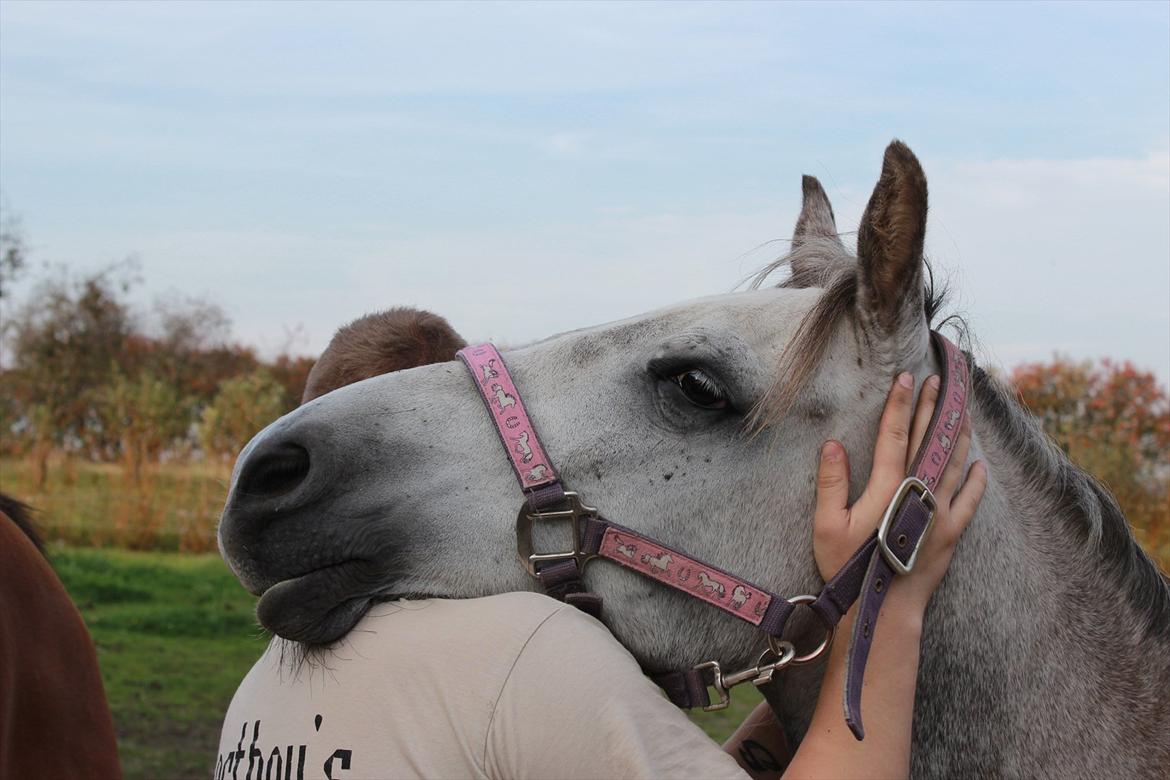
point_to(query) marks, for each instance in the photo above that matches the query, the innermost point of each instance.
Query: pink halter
(892, 550)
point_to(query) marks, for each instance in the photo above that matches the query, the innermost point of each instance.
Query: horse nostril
(274, 473)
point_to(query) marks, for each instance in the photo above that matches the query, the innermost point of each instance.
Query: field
(175, 633)
(170, 507)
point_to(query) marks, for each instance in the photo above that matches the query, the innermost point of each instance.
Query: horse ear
(817, 252)
(890, 241)
(816, 218)
(392, 340)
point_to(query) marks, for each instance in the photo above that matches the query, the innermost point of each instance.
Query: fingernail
(934, 382)
(831, 452)
(905, 380)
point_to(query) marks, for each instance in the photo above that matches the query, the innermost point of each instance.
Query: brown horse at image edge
(54, 718)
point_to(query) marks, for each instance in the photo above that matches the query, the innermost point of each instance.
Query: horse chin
(314, 608)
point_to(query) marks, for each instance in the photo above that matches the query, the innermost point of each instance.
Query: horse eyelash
(701, 377)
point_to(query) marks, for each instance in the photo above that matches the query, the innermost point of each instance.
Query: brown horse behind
(54, 719)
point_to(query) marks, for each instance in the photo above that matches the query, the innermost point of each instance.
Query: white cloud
(1044, 256)
(564, 145)
(1069, 256)
(593, 141)
(359, 48)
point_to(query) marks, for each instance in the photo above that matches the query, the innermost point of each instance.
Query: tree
(13, 251)
(65, 344)
(1113, 420)
(189, 346)
(243, 406)
(146, 414)
(292, 372)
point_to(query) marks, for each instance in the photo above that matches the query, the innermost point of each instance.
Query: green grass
(175, 634)
(721, 723)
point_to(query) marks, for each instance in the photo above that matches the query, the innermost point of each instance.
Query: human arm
(829, 748)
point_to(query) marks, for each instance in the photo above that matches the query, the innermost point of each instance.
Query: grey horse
(1047, 647)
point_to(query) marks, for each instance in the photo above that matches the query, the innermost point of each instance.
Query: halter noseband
(892, 551)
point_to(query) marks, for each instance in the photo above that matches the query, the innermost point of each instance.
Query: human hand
(838, 529)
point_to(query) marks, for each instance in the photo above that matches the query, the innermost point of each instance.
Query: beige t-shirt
(510, 686)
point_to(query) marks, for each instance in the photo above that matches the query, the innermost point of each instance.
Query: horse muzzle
(279, 477)
(295, 535)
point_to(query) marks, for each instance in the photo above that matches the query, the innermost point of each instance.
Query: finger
(889, 454)
(832, 511)
(927, 399)
(954, 469)
(967, 501)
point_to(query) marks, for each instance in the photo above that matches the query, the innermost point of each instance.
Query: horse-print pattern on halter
(674, 568)
(500, 397)
(951, 417)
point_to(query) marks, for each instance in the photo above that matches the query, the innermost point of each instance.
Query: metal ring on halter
(765, 671)
(775, 643)
(784, 651)
(760, 674)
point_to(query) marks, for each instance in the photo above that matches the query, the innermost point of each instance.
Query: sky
(304, 164)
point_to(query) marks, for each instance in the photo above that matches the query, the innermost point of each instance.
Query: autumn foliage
(92, 384)
(1113, 420)
(99, 395)
(88, 374)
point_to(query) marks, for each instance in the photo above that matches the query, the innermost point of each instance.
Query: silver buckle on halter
(576, 512)
(760, 674)
(909, 484)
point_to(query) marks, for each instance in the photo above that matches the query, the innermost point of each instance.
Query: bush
(243, 406)
(1113, 421)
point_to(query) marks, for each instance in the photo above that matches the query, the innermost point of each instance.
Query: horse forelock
(823, 262)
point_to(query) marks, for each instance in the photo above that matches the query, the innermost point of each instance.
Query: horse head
(698, 424)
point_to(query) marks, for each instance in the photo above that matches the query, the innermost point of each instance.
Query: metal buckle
(908, 484)
(576, 512)
(760, 674)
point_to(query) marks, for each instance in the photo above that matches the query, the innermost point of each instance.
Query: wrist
(905, 607)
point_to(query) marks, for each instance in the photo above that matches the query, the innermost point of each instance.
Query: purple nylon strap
(868, 573)
(909, 525)
(686, 688)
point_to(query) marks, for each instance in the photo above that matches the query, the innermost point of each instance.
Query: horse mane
(21, 514)
(1086, 507)
(1079, 500)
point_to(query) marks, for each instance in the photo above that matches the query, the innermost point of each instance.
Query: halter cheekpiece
(867, 575)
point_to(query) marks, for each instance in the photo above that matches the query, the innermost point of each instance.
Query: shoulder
(577, 704)
(501, 619)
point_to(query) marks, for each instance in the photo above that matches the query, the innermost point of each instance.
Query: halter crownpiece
(892, 551)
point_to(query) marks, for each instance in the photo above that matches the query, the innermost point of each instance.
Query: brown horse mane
(21, 514)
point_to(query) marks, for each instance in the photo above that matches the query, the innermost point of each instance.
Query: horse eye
(700, 389)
